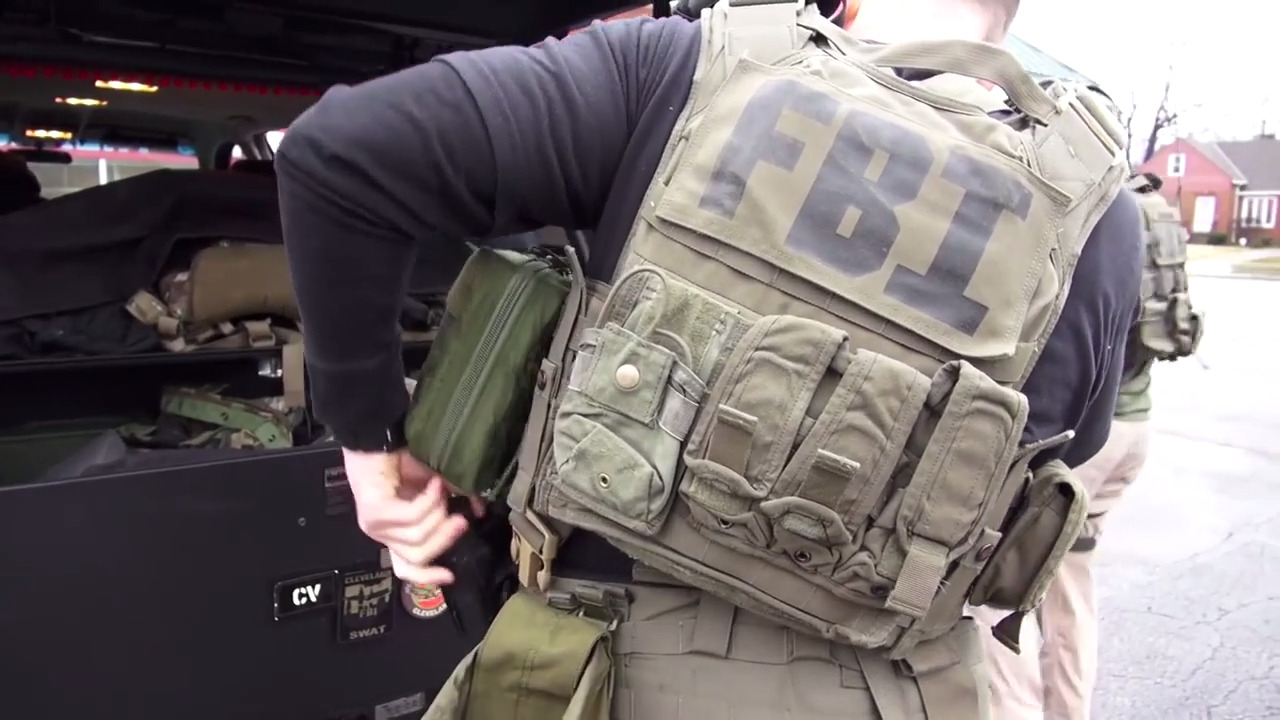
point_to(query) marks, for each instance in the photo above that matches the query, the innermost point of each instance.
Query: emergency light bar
(120, 85)
(42, 134)
(83, 102)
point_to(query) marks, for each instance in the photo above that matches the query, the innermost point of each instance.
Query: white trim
(1257, 211)
(1257, 193)
(1180, 165)
(1204, 213)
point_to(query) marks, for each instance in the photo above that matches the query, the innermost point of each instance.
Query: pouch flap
(961, 471)
(621, 371)
(764, 389)
(968, 454)
(856, 443)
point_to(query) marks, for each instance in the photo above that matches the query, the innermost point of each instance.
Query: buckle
(258, 334)
(147, 308)
(534, 547)
(601, 603)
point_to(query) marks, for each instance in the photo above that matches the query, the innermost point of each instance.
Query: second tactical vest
(1168, 327)
(801, 392)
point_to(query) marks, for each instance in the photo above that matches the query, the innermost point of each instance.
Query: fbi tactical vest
(1168, 326)
(801, 392)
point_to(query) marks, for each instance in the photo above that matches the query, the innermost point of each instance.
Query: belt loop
(712, 626)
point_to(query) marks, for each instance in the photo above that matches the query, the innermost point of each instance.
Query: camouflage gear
(200, 417)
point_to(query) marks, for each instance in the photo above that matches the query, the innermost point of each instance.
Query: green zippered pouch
(473, 394)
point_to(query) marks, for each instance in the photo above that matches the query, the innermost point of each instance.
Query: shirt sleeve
(1076, 380)
(476, 144)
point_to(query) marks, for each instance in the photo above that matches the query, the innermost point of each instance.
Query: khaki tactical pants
(1058, 683)
(681, 654)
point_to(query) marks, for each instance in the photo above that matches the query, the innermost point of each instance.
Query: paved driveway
(1190, 565)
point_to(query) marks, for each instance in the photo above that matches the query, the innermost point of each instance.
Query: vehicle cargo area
(177, 537)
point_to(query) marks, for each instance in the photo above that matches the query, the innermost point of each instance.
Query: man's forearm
(349, 278)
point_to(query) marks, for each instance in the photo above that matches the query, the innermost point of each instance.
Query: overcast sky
(1224, 52)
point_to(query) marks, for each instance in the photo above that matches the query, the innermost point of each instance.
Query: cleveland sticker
(423, 601)
(365, 612)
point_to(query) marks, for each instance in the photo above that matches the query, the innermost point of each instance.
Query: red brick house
(1228, 191)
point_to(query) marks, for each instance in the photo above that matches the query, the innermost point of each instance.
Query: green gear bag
(468, 407)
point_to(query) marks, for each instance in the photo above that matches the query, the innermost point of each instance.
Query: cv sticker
(423, 601)
(299, 595)
(366, 605)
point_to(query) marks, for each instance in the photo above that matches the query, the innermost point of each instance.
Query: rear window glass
(96, 164)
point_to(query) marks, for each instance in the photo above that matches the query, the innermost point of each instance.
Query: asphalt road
(1189, 568)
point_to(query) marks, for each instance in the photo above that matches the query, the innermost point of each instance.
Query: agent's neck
(890, 21)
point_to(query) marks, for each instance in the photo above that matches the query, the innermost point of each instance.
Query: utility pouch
(1037, 538)
(474, 390)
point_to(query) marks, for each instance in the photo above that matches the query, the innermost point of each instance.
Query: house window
(1177, 165)
(1258, 212)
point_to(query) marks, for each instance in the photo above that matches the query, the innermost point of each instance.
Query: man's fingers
(421, 532)
(433, 575)
(390, 517)
(425, 550)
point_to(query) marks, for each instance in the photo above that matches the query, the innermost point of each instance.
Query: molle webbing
(801, 394)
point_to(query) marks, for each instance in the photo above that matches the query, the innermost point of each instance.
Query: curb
(1234, 276)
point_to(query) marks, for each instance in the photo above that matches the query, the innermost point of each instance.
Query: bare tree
(1165, 116)
(1126, 120)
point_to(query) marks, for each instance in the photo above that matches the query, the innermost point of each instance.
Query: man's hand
(404, 505)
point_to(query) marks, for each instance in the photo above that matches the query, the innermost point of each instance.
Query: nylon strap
(293, 375)
(885, 685)
(546, 387)
(536, 541)
(977, 60)
(763, 30)
(532, 661)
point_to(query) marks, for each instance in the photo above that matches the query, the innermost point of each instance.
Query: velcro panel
(823, 181)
